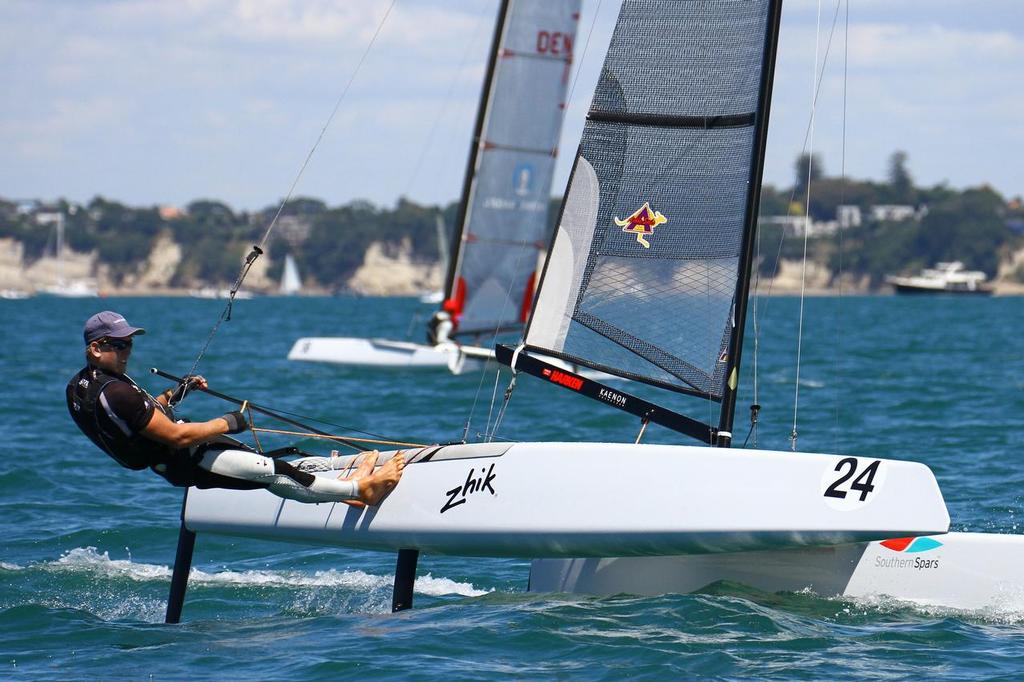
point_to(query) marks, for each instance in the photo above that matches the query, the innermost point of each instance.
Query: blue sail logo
(642, 223)
(522, 179)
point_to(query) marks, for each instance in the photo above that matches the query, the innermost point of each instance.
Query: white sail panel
(291, 283)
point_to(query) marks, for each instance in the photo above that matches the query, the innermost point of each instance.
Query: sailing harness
(134, 451)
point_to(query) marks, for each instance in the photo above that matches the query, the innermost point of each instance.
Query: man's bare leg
(375, 487)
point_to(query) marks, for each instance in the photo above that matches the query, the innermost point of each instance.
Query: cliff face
(46, 271)
(157, 271)
(394, 273)
(387, 270)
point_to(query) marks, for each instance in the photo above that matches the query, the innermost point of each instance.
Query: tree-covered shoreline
(976, 226)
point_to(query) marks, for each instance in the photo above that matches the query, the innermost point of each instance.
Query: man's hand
(177, 394)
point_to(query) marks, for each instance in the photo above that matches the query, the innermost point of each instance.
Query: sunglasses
(116, 344)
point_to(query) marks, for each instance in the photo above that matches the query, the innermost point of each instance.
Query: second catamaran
(502, 224)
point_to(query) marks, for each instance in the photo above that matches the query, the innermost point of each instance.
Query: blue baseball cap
(108, 325)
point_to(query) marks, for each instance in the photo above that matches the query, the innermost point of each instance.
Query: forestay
(646, 264)
(503, 219)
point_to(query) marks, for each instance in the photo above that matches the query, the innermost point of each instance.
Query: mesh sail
(643, 269)
(505, 225)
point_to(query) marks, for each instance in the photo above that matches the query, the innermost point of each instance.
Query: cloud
(909, 47)
(222, 85)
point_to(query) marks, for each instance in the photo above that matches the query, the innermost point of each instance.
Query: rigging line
(334, 111)
(494, 338)
(342, 439)
(277, 412)
(803, 148)
(445, 103)
(225, 315)
(807, 228)
(710, 341)
(490, 412)
(504, 407)
(257, 249)
(583, 57)
(842, 201)
(327, 423)
(757, 330)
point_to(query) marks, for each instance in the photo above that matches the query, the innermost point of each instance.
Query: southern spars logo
(642, 223)
(909, 546)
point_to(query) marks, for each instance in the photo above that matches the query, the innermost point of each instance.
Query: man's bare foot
(367, 462)
(375, 487)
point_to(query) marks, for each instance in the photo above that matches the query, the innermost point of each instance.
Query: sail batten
(644, 267)
(671, 121)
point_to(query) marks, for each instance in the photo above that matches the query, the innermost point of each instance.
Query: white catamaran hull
(956, 570)
(601, 499)
(407, 355)
(388, 354)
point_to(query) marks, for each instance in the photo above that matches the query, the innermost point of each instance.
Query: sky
(167, 101)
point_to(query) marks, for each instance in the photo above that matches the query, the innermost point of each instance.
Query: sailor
(139, 431)
(442, 323)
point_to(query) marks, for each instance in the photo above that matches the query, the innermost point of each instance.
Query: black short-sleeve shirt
(125, 407)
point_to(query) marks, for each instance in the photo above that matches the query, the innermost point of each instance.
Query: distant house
(795, 225)
(848, 216)
(294, 229)
(27, 206)
(170, 212)
(790, 224)
(48, 217)
(895, 213)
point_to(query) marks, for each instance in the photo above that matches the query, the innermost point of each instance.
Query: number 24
(862, 483)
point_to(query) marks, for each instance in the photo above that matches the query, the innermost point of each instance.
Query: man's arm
(163, 430)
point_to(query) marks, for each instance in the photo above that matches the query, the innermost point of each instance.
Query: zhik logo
(459, 494)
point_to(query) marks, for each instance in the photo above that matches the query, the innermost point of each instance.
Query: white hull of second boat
(600, 499)
(75, 289)
(384, 353)
(955, 570)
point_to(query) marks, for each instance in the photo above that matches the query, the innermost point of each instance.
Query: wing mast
(739, 319)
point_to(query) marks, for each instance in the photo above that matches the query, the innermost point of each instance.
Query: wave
(90, 560)
(1008, 611)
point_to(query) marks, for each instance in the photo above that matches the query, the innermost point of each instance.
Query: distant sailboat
(291, 283)
(503, 215)
(219, 294)
(62, 287)
(437, 296)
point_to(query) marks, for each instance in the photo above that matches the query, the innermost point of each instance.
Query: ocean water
(87, 546)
